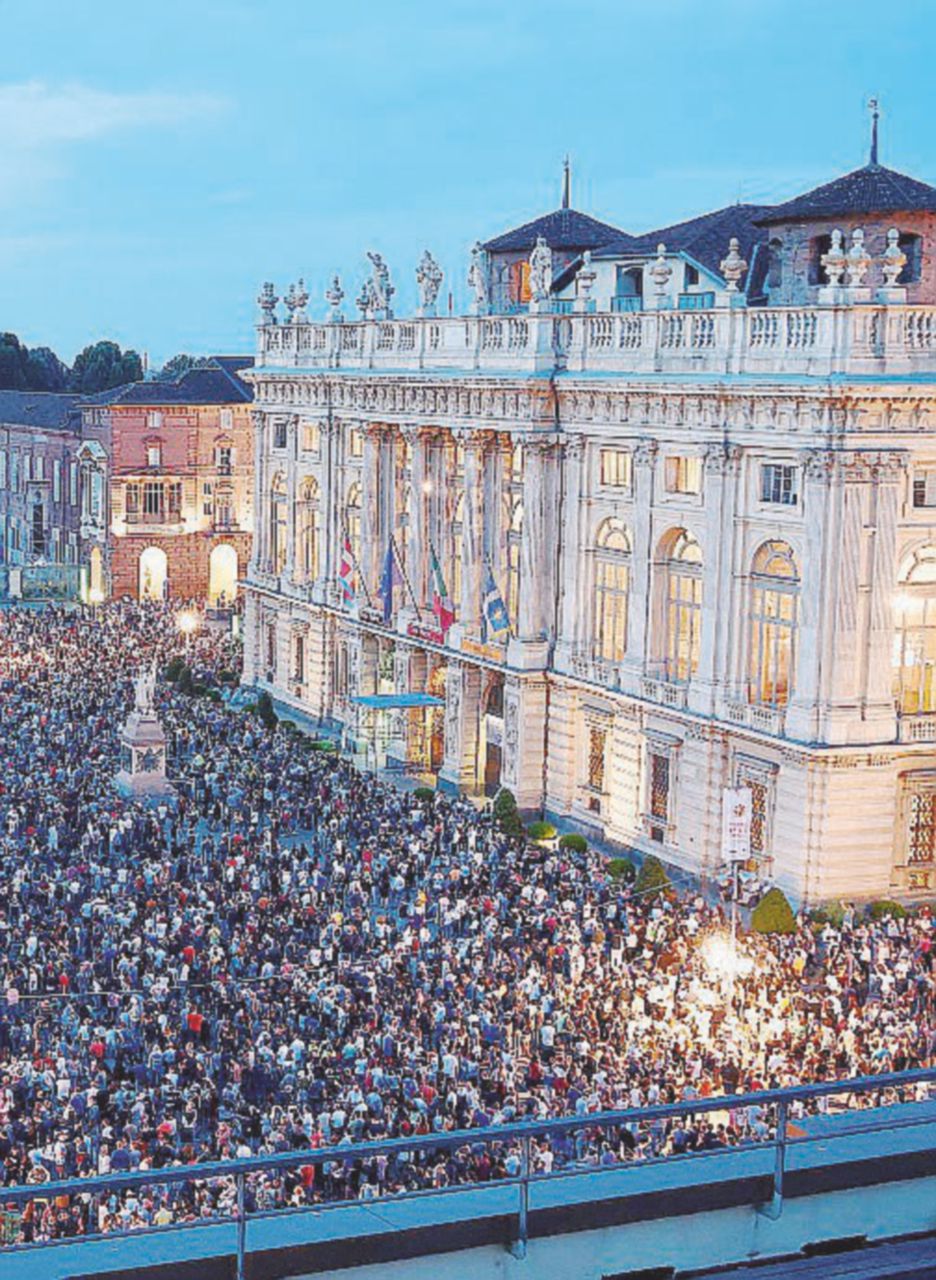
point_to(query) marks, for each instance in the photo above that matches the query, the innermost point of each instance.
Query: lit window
(615, 468)
(278, 524)
(308, 524)
(356, 443)
(683, 474)
(774, 607)
(311, 437)
(778, 484)
(683, 602)
(612, 578)
(915, 635)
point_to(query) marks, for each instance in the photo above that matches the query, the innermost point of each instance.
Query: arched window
(775, 589)
(915, 639)
(774, 264)
(278, 524)
(308, 528)
(353, 520)
(612, 580)
(683, 605)
(912, 245)
(514, 540)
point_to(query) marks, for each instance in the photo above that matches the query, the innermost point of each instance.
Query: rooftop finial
(875, 116)
(566, 184)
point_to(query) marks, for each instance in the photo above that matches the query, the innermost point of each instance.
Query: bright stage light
(723, 959)
(187, 623)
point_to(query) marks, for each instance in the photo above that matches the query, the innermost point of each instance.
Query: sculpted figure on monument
(428, 280)
(382, 289)
(477, 277)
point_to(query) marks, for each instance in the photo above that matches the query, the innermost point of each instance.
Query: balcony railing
(817, 340)
(838, 1127)
(918, 728)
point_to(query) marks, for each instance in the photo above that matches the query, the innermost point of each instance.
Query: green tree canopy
(103, 365)
(180, 364)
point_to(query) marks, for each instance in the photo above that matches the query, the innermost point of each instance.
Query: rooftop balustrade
(812, 340)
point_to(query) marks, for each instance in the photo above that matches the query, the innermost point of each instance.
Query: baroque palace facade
(695, 469)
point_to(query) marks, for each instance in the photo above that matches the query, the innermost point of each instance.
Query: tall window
(308, 523)
(778, 484)
(615, 468)
(683, 474)
(278, 524)
(153, 499)
(683, 606)
(775, 591)
(38, 530)
(658, 792)
(921, 826)
(612, 578)
(915, 638)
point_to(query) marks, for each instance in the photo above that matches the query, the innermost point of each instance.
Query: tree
(652, 879)
(46, 372)
(14, 364)
(103, 365)
(773, 914)
(506, 813)
(180, 364)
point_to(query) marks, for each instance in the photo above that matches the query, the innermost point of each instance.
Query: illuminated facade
(698, 467)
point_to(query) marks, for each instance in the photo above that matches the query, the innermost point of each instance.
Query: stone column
(292, 478)
(416, 534)
(524, 739)
(640, 602)
(722, 465)
(331, 534)
(261, 509)
(538, 546)
(461, 767)
(572, 521)
(370, 510)
(476, 445)
(823, 513)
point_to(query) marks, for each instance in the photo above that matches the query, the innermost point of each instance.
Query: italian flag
(442, 605)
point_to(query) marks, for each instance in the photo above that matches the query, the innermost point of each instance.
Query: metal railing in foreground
(349, 1174)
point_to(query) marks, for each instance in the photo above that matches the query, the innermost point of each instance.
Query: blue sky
(157, 161)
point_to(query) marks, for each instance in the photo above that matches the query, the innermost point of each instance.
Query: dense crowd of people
(293, 955)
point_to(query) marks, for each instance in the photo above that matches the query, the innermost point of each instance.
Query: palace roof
(871, 189)
(46, 409)
(561, 229)
(704, 238)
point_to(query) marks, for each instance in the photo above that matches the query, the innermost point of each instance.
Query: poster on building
(736, 824)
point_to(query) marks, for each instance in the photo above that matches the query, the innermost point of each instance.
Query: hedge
(773, 914)
(573, 842)
(423, 793)
(266, 710)
(173, 668)
(537, 831)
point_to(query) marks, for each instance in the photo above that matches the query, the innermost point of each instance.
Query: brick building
(39, 434)
(167, 485)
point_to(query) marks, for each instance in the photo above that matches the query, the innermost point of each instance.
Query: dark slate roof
(214, 383)
(48, 409)
(562, 229)
(872, 189)
(704, 238)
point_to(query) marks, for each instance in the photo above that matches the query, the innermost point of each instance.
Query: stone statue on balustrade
(429, 282)
(478, 281)
(381, 288)
(267, 301)
(541, 271)
(334, 296)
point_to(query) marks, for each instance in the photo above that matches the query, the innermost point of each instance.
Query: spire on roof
(566, 184)
(875, 115)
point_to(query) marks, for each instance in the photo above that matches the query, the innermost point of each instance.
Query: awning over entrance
(393, 701)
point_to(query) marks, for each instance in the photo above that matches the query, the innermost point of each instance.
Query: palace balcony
(811, 341)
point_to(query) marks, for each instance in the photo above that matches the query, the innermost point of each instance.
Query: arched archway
(222, 574)
(153, 572)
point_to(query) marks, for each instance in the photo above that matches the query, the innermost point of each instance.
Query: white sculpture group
(855, 263)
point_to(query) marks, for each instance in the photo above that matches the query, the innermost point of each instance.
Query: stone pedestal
(143, 757)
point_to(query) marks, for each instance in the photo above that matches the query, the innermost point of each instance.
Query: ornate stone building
(696, 469)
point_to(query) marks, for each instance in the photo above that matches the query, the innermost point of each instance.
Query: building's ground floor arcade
(853, 822)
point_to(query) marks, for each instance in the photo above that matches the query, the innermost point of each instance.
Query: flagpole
(401, 564)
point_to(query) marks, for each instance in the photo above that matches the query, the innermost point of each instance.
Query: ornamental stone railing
(817, 340)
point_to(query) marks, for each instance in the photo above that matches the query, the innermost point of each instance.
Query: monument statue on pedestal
(143, 744)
